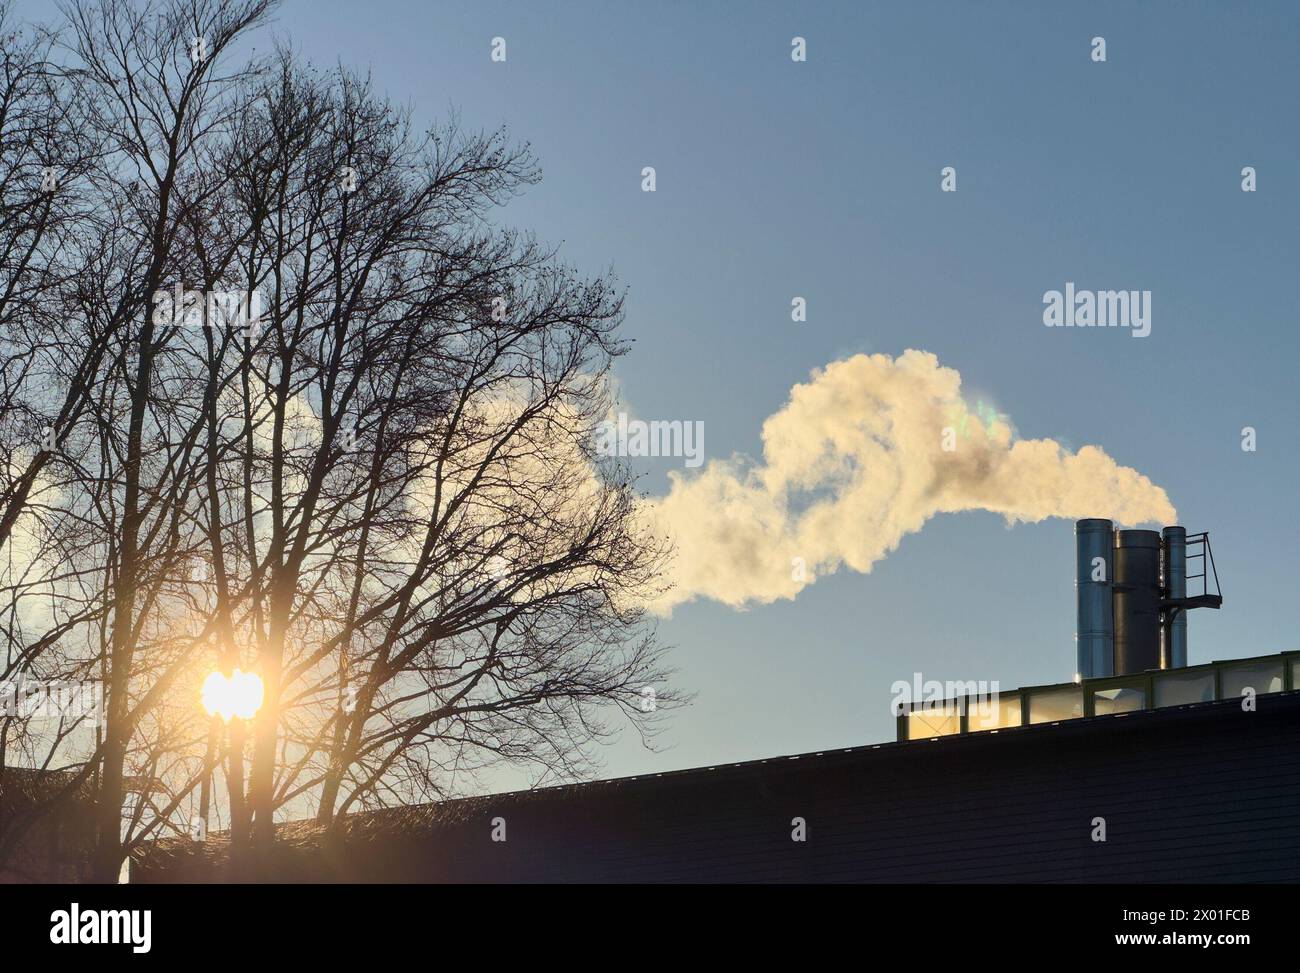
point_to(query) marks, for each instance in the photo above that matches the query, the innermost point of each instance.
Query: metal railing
(1206, 557)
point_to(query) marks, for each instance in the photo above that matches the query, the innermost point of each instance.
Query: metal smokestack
(1174, 649)
(1137, 601)
(1131, 587)
(1094, 563)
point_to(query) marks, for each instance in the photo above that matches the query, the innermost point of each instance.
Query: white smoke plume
(861, 455)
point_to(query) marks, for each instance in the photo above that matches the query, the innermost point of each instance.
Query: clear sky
(821, 179)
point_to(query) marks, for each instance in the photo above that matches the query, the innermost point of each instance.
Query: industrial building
(1142, 769)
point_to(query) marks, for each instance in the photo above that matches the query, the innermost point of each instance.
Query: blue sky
(821, 179)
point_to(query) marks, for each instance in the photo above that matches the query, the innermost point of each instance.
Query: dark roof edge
(974, 738)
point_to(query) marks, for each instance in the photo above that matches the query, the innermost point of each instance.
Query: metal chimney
(1131, 587)
(1137, 601)
(1094, 562)
(1174, 647)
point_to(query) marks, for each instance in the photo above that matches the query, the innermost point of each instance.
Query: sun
(238, 695)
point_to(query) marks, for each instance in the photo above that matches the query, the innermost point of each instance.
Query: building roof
(1203, 792)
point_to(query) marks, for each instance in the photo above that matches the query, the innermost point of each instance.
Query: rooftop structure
(1107, 696)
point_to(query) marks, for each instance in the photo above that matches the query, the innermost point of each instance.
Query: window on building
(1050, 705)
(933, 721)
(1119, 699)
(993, 712)
(1262, 677)
(1180, 687)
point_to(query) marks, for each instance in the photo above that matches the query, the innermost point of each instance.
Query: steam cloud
(854, 461)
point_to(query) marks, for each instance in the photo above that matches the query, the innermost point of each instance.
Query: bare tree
(380, 495)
